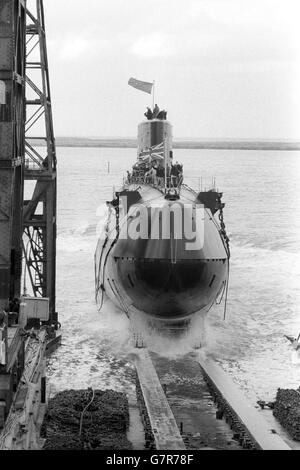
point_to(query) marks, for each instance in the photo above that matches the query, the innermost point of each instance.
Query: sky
(223, 68)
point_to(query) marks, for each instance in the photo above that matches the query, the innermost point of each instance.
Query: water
(262, 217)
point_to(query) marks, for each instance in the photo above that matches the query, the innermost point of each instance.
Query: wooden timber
(164, 427)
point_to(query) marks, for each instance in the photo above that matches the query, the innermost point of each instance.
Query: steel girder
(25, 103)
(40, 162)
(12, 146)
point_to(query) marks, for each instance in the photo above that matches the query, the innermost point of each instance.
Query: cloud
(153, 45)
(74, 47)
(208, 46)
(198, 30)
(83, 47)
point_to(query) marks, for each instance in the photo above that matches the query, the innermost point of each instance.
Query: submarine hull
(162, 278)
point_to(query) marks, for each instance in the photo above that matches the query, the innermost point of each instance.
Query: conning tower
(155, 134)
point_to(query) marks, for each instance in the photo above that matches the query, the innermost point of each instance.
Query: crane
(27, 155)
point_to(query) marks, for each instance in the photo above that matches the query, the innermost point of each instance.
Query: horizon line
(186, 139)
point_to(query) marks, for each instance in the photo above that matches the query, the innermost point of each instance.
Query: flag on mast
(153, 153)
(142, 86)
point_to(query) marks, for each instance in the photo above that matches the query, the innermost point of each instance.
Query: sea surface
(262, 216)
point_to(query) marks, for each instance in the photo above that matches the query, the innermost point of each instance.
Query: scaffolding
(27, 155)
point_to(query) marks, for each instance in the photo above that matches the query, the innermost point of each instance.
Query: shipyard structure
(28, 318)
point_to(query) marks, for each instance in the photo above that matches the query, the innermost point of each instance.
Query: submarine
(163, 254)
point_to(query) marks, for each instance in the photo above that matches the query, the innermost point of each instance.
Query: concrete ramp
(164, 427)
(257, 428)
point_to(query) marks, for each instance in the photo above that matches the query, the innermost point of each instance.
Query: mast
(153, 95)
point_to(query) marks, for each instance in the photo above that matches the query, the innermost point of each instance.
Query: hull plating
(161, 278)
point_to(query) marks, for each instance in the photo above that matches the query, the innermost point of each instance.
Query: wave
(282, 246)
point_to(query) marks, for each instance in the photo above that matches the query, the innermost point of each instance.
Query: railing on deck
(196, 183)
(201, 183)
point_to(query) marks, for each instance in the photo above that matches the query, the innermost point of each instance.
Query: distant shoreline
(182, 144)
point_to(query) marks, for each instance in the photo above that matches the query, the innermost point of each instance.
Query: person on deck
(150, 176)
(160, 176)
(162, 115)
(156, 111)
(154, 174)
(174, 176)
(180, 173)
(149, 114)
